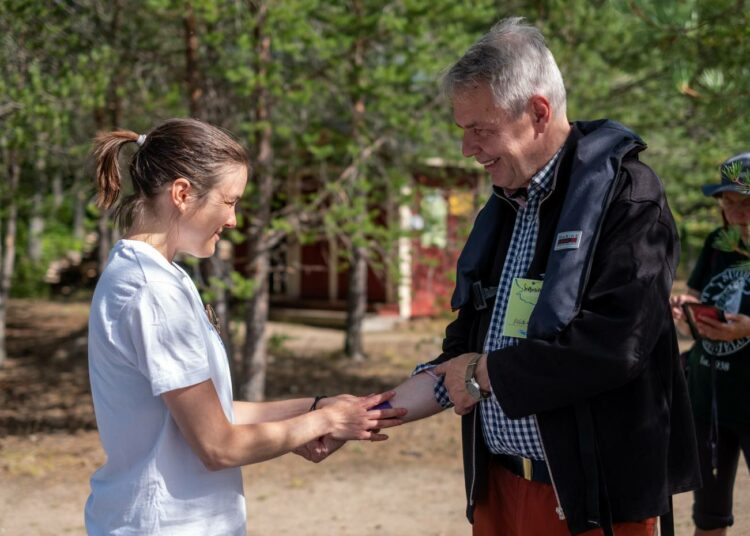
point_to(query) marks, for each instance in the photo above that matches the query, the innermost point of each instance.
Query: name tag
(568, 240)
(524, 294)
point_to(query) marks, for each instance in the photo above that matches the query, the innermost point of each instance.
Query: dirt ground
(409, 485)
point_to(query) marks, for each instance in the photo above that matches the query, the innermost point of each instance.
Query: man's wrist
(482, 375)
(471, 380)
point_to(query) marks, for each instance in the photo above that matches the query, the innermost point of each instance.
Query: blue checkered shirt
(502, 434)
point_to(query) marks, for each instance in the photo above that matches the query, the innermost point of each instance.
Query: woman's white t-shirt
(149, 334)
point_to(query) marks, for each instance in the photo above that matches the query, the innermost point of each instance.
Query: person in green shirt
(719, 362)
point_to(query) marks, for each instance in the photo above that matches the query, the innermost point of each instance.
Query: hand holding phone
(695, 312)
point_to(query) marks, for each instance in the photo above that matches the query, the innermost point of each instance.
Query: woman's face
(201, 226)
(736, 207)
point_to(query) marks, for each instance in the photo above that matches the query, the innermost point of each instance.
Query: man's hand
(454, 371)
(736, 327)
(319, 449)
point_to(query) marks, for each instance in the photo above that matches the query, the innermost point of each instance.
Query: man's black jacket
(607, 391)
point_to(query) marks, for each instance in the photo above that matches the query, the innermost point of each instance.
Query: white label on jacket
(568, 240)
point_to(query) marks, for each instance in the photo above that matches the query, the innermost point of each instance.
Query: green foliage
(730, 240)
(242, 287)
(277, 343)
(211, 289)
(676, 72)
(734, 173)
(672, 71)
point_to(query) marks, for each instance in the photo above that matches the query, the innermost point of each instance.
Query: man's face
(509, 149)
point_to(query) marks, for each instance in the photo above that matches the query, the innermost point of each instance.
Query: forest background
(343, 93)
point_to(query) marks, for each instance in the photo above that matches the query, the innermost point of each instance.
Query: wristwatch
(472, 385)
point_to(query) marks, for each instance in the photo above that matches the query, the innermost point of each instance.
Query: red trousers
(514, 506)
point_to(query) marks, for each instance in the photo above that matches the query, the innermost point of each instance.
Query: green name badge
(524, 294)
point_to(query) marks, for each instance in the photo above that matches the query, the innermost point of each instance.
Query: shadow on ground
(44, 385)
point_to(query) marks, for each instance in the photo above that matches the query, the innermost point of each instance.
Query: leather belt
(526, 468)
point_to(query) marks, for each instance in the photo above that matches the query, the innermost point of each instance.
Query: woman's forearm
(220, 444)
(244, 444)
(279, 410)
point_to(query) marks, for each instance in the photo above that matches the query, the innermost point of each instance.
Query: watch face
(472, 387)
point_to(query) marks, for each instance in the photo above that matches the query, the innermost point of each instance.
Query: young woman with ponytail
(162, 394)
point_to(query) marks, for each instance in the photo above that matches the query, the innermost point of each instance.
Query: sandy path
(395, 488)
(409, 485)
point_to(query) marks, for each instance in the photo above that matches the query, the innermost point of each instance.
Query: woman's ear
(180, 193)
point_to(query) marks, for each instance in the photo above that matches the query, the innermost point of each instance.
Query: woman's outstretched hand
(319, 449)
(353, 418)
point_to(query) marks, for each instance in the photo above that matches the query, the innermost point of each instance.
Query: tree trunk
(223, 310)
(105, 239)
(57, 191)
(217, 268)
(254, 357)
(192, 74)
(36, 218)
(356, 304)
(113, 114)
(215, 275)
(79, 213)
(8, 246)
(3, 323)
(36, 225)
(356, 297)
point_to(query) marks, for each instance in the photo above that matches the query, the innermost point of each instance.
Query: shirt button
(529, 217)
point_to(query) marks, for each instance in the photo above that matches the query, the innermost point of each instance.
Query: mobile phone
(698, 311)
(382, 405)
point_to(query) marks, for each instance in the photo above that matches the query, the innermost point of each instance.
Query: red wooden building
(445, 201)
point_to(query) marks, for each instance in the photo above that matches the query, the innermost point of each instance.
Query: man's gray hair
(515, 61)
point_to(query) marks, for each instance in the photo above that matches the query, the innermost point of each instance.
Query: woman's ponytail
(107, 147)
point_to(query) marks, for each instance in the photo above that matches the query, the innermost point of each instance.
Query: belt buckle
(478, 294)
(527, 472)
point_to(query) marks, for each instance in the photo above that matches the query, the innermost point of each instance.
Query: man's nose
(468, 146)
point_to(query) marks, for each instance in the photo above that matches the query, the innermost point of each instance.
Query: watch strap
(470, 377)
(471, 367)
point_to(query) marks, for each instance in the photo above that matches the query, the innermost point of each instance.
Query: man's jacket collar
(598, 148)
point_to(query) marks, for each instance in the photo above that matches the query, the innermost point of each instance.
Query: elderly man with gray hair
(563, 359)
